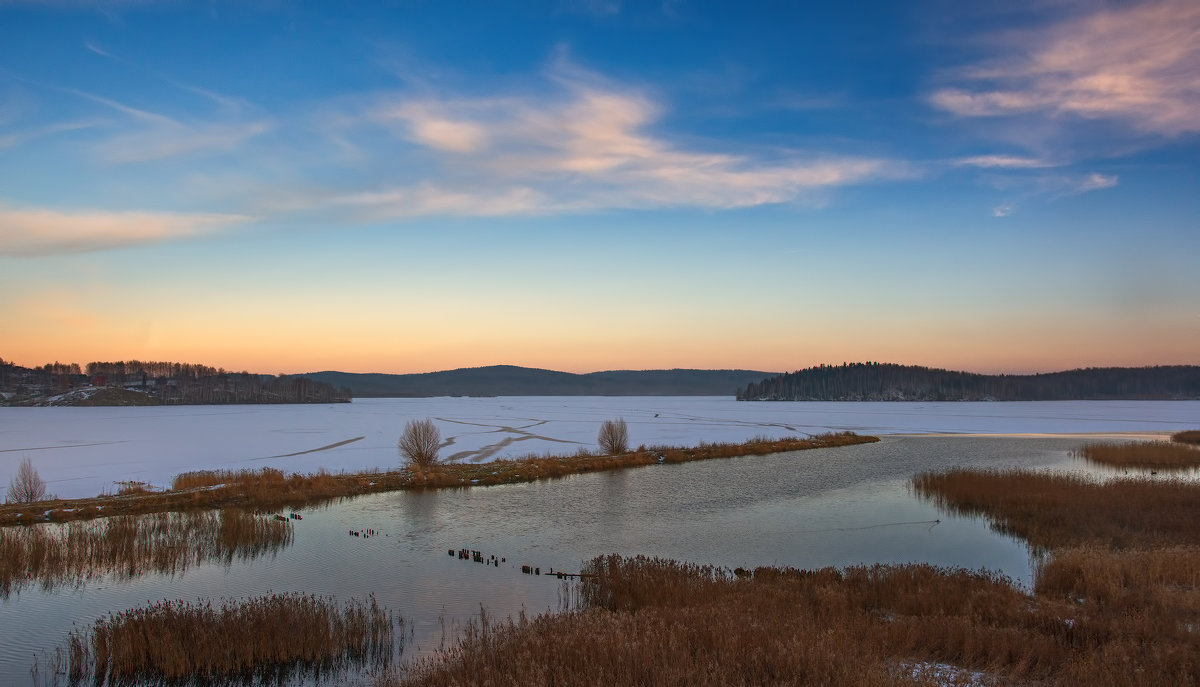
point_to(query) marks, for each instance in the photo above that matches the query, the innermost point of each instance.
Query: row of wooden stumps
(365, 534)
(478, 557)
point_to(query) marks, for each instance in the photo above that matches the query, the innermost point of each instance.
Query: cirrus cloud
(585, 145)
(39, 231)
(1137, 64)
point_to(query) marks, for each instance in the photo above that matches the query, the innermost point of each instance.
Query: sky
(583, 185)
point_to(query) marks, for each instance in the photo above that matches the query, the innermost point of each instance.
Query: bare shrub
(420, 442)
(27, 485)
(614, 437)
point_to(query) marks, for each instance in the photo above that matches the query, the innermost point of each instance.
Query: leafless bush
(420, 443)
(614, 437)
(27, 485)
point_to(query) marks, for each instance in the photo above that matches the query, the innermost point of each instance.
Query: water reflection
(810, 509)
(130, 546)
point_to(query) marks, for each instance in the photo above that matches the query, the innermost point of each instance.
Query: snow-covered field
(84, 451)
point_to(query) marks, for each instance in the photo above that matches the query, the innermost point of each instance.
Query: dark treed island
(143, 383)
(890, 382)
(511, 380)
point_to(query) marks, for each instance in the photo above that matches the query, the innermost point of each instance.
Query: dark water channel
(809, 509)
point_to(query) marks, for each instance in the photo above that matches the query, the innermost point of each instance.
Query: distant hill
(134, 382)
(510, 380)
(888, 382)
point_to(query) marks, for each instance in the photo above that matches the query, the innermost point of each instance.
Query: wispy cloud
(1136, 64)
(586, 144)
(38, 232)
(16, 138)
(1093, 182)
(150, 135)
(1049, 187)
(228, 104)
(1003, 162)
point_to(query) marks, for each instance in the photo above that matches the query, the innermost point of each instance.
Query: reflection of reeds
(269, 638)
(1055, 510)
(272, 489)
(128, 546)
(1160, 455)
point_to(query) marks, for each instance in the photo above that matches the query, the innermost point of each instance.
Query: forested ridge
(511, 380)
(890, 382)
(136, 382)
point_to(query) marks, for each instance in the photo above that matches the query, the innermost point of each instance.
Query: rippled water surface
(838, 506)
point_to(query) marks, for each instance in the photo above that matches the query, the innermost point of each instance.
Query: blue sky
(583, 185)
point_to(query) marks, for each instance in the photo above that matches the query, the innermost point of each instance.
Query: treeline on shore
(889, 382)
(136, 382)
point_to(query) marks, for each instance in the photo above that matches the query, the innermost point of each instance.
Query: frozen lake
(83, 451)
(811, 509)
(839, 506)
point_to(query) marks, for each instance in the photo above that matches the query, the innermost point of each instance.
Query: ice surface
(85, 451)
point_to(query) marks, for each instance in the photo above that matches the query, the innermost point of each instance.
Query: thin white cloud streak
(14, 139)
(1055, 185)
(1137, 64)
(32, 232)
(231, 105)
(1094, 182)
(178, 139)
(156, 136)
(1003, 162)
(586, 147)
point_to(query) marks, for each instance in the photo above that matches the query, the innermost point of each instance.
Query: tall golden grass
(269, 639)
(270, 489)
(1159, 455)
(1116, 601)
(1052, 510)
(129, 546)
(653, 622)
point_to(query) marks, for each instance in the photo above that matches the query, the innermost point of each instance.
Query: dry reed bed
(1116, 601)
(129, 546)
(1154, 455)
(1051, 510)
(272, 489)
(268, 639)
(654, 622)
(1191, 436)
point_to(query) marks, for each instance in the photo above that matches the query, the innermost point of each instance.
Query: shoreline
(270, 490)
(1153, 435)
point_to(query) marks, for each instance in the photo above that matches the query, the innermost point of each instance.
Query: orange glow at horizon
(1025, 349)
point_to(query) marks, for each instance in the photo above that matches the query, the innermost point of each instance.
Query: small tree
(27, 485)
(614, 437)
(420, 442)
